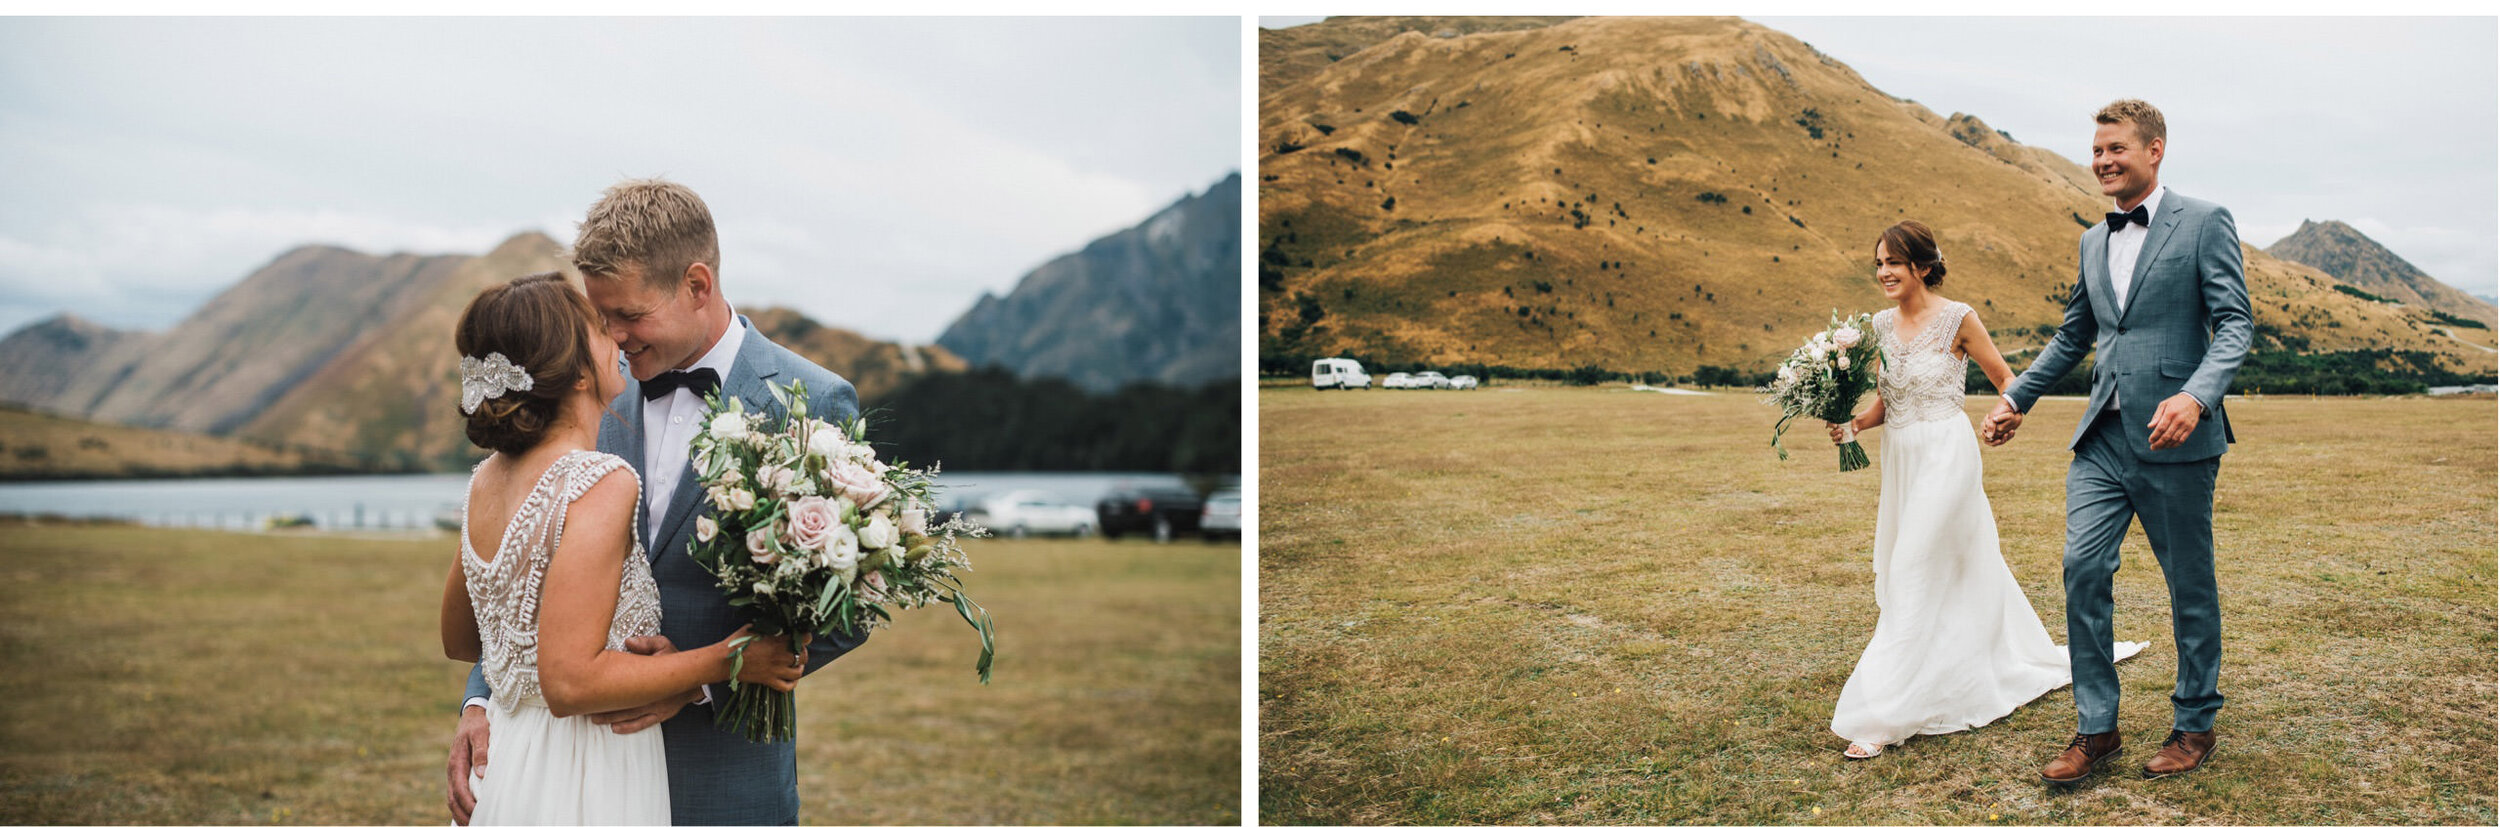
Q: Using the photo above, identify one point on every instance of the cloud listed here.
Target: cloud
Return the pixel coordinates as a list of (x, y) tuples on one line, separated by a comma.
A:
[(877, 173), (147, 265)]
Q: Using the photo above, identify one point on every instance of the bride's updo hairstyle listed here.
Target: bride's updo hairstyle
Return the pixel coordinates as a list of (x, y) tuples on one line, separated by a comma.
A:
[(541, 324), (1914, 243)]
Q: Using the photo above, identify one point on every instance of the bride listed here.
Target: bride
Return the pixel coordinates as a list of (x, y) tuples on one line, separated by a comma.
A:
[(1956, 645), (548, 610)]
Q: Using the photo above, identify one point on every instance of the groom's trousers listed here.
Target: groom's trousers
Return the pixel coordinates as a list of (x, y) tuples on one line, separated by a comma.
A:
[(2105, 488)]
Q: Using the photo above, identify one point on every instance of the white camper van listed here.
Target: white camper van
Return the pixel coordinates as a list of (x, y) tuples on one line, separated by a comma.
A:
[(1338, 373)]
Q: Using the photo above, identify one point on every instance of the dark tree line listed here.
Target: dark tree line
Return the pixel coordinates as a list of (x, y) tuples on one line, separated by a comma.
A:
[(989, 420)]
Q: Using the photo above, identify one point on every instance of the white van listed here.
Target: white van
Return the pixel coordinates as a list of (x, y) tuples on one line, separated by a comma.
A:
[(1338, 373)]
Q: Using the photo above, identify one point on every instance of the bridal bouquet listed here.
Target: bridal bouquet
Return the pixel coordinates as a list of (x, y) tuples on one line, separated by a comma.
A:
[(815, 535), (1823, 379)]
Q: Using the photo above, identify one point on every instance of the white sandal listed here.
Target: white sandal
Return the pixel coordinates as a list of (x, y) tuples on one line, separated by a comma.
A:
[(1860, 751)]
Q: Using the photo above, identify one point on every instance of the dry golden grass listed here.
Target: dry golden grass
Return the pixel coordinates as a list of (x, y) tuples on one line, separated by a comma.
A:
[(157, 676), (1603, 606)]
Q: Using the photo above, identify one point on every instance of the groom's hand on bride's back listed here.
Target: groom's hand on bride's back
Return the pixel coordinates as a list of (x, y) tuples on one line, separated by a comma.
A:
[(655, 713), (468, 760)]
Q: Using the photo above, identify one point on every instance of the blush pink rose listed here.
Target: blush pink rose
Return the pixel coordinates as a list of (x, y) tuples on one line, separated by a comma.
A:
[(760, 548), (872, 586), (862, 486), (812, 520)]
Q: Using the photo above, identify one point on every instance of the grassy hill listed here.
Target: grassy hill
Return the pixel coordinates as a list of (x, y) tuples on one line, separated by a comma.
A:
[(1659, 194)]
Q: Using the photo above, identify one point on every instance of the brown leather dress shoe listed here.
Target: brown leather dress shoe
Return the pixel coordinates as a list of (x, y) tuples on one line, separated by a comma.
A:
[(2181, 752), (2080, 757)]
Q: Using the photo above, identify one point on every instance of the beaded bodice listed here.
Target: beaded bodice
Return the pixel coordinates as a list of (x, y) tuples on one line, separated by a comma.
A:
[(1921, 380), (504, 592)]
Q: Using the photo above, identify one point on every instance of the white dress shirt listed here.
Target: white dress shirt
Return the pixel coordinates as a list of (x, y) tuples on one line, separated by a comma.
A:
[(2125, 246), (668, 426), (2128, 243)]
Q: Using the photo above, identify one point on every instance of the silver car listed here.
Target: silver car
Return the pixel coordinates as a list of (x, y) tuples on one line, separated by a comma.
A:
[(1220, 517)]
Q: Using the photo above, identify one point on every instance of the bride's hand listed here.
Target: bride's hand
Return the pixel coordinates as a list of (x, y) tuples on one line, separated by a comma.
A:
[(655, 713), (1837, 430), (769, 661)]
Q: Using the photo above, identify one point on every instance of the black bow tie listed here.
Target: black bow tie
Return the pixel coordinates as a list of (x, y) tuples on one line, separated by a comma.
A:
[(2119, 220), (700, 380)]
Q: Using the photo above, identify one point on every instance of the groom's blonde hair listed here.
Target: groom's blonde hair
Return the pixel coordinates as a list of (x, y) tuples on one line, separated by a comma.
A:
[(2147, 120), (660, 227)]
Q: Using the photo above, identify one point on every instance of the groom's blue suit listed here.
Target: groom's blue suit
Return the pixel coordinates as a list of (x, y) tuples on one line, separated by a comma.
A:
[(715, 776), (2183, 326)]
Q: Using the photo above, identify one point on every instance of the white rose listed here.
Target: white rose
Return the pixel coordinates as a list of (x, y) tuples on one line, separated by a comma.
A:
[(842, 555), (825, 441), (705, 529), (729, 426), (1844, 361), (878, 533), (1823, 337), (1846, 337), (915, 521), (741, 500)]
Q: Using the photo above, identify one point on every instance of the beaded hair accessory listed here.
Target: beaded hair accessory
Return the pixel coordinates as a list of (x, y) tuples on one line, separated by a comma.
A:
[(484, 379)]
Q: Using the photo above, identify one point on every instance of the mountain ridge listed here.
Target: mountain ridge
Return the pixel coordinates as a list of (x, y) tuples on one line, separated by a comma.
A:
[(1159, 301), (1663, 195), (2340, 250)]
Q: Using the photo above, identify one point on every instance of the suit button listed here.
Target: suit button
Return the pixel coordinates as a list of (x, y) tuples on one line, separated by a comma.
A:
[(2122, 331)]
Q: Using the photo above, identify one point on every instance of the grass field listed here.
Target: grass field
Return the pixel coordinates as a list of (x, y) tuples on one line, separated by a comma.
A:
[(157, 676), (1606, 606)]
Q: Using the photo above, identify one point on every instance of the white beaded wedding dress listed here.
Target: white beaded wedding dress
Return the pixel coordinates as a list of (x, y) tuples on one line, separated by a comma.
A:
[(541, 769), (1956, 645)]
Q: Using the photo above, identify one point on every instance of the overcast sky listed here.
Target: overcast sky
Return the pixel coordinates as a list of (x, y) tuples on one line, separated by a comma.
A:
[(2387, 124), (877, 174)]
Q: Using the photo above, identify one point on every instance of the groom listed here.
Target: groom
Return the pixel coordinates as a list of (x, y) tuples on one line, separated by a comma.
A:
[(650, 261), (2162, 298)]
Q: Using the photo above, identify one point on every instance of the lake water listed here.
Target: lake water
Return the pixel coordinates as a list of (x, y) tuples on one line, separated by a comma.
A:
[(409, 501)]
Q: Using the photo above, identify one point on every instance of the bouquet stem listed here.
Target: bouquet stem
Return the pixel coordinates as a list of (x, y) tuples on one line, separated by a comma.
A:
[(1852, 455), (761, 714)]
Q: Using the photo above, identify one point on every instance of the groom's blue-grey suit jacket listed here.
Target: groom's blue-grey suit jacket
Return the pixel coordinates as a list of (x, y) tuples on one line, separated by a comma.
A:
[(715, 776), (2185, 325)]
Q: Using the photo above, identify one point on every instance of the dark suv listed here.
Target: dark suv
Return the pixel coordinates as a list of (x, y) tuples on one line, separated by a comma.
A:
[(1160, 513)]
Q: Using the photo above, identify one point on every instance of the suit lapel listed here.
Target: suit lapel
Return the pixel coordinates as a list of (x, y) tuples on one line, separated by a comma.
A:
[(2096, 273), (2155, 237), (745, 381), (620, 433)]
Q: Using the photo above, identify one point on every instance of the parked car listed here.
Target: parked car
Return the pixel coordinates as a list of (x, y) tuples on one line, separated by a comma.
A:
[(1463, 382), (1431, 379), (1220, 518), (1338, 373), (1020, 513), (1398, 381), (1160, 513)]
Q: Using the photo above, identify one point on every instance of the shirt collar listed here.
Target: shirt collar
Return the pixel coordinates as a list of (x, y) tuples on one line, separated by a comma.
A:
[(724, 353), (2151, 205)]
